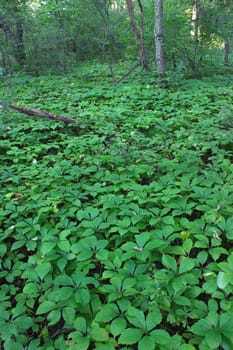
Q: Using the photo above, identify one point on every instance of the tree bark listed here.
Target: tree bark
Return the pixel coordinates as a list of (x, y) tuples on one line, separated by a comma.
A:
[(226, 37), (138, 32), (19, 46), (226, 51), (41, 114), (196, 20), (159, 39)]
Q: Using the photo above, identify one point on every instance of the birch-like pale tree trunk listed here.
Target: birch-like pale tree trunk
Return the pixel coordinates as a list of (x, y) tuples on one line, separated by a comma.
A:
[(138, 31), (196, 20), (159, 38)]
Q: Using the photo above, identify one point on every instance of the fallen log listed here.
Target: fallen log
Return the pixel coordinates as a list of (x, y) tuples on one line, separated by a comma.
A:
[(41, 114), (135, 65)]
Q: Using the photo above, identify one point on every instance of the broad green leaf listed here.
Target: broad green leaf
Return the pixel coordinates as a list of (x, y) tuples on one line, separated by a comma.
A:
[(213, 339), (222, 281), (79, 341), (64, 245), (54, 317), (11, 344), (201, 327), (130, 336), (187, 347), (136, 317), (169, 262), (186, 265), (80, 325), (226, 324), (142, 239), (146, 343), (98, 334), (160, 336), (118, 325), (107, 314), (64, 280), (128, 283), (23, 322), (187, 245), (45, 307), (68, 314), (181, 300), (43, 269), (153, 319), (3, 249), (82, 296), (47, 247)]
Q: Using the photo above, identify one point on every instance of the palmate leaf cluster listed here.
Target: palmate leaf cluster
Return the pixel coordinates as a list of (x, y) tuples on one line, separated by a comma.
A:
[(117, 233)]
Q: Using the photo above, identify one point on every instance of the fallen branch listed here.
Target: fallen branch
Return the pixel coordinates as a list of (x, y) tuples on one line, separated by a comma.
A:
[(42, 114), (136, 64)]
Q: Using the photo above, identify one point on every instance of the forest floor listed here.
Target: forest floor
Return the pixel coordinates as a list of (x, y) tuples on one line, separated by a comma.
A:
[(116, 232)]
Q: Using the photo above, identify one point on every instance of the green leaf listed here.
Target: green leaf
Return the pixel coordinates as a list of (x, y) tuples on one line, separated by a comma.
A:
[(43, 269), (187, 347), (82, 296), (98, 334), (146, 343), (12, 345), (186, 265), (169, 262), (107, 314), (130, 336), (23, 322), (187, 245), (54, 317), (80, 341), (226, 324), (3, 250), (213, 339), (160, 336), (118, 325), (68, 314), (64, 246), (153, 319), (80, 325), (45, 307), (136, 317), (47, 247), (222, 281), (181, 300), (201, 327)]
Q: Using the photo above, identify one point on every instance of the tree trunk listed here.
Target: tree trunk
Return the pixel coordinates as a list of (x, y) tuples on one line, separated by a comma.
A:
[(196, 20), (138, 32), (19, 46), (159, 39), (226, 37), (226, 51), (41, 114)]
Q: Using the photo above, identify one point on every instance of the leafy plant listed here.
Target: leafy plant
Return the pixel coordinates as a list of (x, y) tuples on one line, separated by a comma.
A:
[(117, 235)]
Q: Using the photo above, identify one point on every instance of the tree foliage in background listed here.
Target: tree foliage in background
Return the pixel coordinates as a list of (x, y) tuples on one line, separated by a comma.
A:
[(54, 35)]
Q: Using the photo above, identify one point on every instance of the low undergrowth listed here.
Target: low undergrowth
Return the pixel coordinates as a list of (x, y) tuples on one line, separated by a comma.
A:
[(116, 233)]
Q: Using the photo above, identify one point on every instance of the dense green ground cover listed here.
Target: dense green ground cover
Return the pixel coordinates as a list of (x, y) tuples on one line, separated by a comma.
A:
[(116, 233)]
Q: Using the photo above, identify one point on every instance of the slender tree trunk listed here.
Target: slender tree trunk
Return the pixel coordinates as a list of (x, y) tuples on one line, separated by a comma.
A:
[(19, 46), (226, 51), (226, 37), (138, 32), (159, 39), (196, 20)]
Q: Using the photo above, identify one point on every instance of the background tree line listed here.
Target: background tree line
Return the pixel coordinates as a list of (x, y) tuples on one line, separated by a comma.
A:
[(42, 35)]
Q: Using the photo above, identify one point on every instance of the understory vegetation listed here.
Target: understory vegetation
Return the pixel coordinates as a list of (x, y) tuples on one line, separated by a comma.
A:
[(116, 232)]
